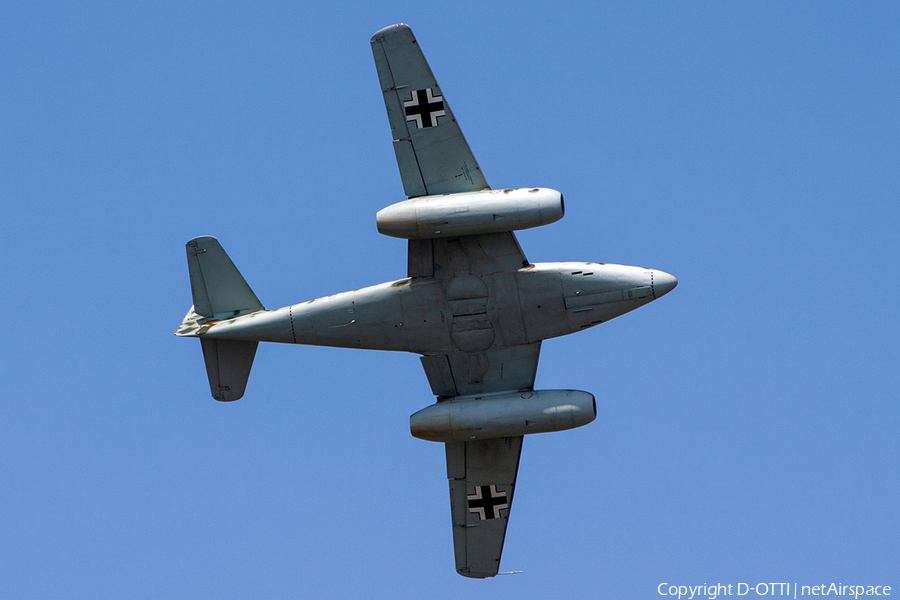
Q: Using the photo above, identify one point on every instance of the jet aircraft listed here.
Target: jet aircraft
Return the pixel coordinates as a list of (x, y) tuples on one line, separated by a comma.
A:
[(472, 305)]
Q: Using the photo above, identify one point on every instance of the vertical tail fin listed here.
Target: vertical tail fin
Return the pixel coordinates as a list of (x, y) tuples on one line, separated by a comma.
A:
[(219, 289), (220, 292), (228, 365)]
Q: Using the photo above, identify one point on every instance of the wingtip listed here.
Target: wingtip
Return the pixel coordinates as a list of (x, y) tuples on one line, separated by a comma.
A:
[(388, 30), (200, 238), (471, 575)]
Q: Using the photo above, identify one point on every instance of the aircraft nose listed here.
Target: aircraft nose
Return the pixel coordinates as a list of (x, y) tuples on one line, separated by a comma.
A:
[(663, 283)]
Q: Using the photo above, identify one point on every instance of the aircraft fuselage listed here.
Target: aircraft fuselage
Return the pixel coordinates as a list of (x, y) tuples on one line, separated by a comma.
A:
[(468, 313)]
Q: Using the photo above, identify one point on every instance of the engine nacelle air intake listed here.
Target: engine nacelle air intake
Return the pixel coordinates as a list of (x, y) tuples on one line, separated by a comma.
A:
[(469, 213), (466, 418)]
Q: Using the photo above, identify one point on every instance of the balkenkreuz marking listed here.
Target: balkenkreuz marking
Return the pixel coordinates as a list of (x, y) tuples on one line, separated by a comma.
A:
[(423, 108), (487, 502)]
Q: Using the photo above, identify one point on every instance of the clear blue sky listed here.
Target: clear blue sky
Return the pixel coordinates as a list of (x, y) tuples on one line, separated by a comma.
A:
[(748, 422)]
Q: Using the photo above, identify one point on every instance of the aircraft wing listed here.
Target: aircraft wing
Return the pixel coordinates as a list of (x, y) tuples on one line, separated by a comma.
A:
[(482, 473), (482, 478), (433, 156), (485, 358)]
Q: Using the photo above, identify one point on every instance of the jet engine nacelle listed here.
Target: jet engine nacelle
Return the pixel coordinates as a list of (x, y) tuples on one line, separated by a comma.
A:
[(466, 418), (469, 213)]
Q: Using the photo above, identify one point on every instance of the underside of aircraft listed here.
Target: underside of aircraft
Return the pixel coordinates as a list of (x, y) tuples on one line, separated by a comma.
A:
[(471, 305)]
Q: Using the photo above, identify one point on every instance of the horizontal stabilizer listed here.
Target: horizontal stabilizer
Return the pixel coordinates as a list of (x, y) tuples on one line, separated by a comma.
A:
[(218, 288), (228, 365)]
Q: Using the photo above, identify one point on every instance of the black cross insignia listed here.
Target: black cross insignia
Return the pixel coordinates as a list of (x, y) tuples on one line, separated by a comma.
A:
[(487, 502), (423, 108)]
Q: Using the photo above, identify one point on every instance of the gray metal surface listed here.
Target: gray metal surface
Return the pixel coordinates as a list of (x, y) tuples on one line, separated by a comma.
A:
[(487, 211), (432, 153), (228, 364), (472, 305), (218, 288), (487, 416), (482, 476)]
